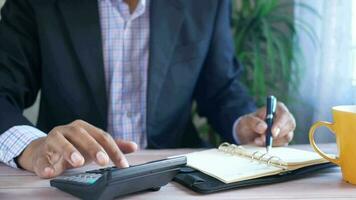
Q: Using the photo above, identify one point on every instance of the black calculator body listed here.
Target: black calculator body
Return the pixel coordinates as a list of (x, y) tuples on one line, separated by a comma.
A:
[(111, 182)]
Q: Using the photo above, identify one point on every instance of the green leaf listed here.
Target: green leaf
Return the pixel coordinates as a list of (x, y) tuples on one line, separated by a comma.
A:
[(265, 7), (309, 30), (302, 24), (270, 48), (304, 6), (282, 56), (259, 88)]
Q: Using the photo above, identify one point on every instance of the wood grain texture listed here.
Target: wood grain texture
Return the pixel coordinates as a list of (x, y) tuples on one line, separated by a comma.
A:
[(328, 184)]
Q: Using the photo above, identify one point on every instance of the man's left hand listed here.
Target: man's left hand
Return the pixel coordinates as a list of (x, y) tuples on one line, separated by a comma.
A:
[(251, 128)]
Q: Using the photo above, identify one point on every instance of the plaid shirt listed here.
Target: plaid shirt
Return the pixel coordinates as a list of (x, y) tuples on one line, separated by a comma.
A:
[(125, 45)]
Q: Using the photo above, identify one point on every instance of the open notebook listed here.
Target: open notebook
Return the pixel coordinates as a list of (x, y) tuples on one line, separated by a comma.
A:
[(232, 163)]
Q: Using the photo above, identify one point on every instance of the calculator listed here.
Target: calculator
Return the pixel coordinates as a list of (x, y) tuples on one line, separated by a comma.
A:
[(111, 182)]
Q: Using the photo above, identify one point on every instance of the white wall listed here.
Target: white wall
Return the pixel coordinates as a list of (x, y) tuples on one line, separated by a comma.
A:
[(1, 4), (32, 112)]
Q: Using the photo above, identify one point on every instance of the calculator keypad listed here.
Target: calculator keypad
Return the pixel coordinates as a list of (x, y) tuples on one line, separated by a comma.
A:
[(85, 178)]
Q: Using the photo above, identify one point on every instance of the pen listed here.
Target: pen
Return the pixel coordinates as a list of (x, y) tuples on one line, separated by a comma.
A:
[(270, 112)]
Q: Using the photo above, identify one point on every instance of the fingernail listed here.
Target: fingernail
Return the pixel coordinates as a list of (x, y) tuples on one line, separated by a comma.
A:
[(261, 127), (276, 131), (102, 157), (134, 146), (48, 171), (124, 163), (76, 158)]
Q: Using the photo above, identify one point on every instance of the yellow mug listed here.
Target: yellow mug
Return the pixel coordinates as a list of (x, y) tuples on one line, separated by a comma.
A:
[(344, 127)]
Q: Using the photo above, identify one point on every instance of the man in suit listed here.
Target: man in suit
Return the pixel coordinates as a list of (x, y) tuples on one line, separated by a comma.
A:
[(117, 74)]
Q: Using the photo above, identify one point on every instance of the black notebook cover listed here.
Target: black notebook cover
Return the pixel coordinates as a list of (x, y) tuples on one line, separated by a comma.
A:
[(202, 183)]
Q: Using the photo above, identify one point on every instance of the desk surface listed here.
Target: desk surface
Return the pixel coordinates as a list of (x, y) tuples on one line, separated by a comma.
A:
[(328, 184)]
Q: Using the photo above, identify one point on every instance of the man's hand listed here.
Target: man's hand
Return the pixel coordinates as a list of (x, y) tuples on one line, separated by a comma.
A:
[(71, 146), (251, 129)]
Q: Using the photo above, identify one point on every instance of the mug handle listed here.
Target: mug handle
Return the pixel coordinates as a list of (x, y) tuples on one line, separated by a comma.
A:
[(330, 126)]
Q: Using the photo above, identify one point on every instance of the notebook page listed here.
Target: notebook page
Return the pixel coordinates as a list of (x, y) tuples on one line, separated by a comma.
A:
[(290, 156), (228, 168)]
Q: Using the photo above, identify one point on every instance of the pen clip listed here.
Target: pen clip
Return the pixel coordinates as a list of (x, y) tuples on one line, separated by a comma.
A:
[(271, 106), (274, 105)]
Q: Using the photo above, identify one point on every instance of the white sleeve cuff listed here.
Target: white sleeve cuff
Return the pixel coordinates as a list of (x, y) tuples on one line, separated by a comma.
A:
[(15, 140), (234, 131)]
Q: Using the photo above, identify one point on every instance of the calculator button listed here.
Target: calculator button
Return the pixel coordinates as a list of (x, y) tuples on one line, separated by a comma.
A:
[(82, 178), (91, 181)]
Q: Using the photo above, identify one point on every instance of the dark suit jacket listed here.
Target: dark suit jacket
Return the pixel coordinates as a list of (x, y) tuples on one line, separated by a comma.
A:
[(55, 46)]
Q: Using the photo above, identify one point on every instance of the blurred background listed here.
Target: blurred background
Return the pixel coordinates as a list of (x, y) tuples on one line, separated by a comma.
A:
[(301, 51)]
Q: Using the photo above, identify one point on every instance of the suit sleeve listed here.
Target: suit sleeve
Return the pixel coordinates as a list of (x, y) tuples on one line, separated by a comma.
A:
[(19, 63), (220, 95)]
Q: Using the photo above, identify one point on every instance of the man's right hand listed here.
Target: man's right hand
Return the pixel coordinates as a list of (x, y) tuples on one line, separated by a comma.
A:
[(71, 146)]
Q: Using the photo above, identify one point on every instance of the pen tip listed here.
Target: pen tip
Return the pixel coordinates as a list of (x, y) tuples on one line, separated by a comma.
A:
[(268, 148)]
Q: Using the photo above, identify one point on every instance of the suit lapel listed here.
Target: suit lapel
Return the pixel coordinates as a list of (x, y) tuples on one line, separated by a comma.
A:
[(166, 18), (83, 25)]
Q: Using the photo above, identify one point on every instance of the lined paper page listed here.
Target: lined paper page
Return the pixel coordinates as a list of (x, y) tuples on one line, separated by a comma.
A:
[(228, 168)]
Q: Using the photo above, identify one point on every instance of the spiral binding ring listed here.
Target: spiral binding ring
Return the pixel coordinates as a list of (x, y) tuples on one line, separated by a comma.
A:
[(260, 158), (279, 161), (257, 155), (230, 148), (224, 146), (253, 155)]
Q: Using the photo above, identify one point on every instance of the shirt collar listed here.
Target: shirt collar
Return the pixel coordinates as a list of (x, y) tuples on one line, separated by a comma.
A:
[(140, 8), (140, 2)]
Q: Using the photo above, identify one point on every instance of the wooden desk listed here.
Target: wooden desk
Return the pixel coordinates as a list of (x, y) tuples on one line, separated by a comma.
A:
[(17, 184)]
